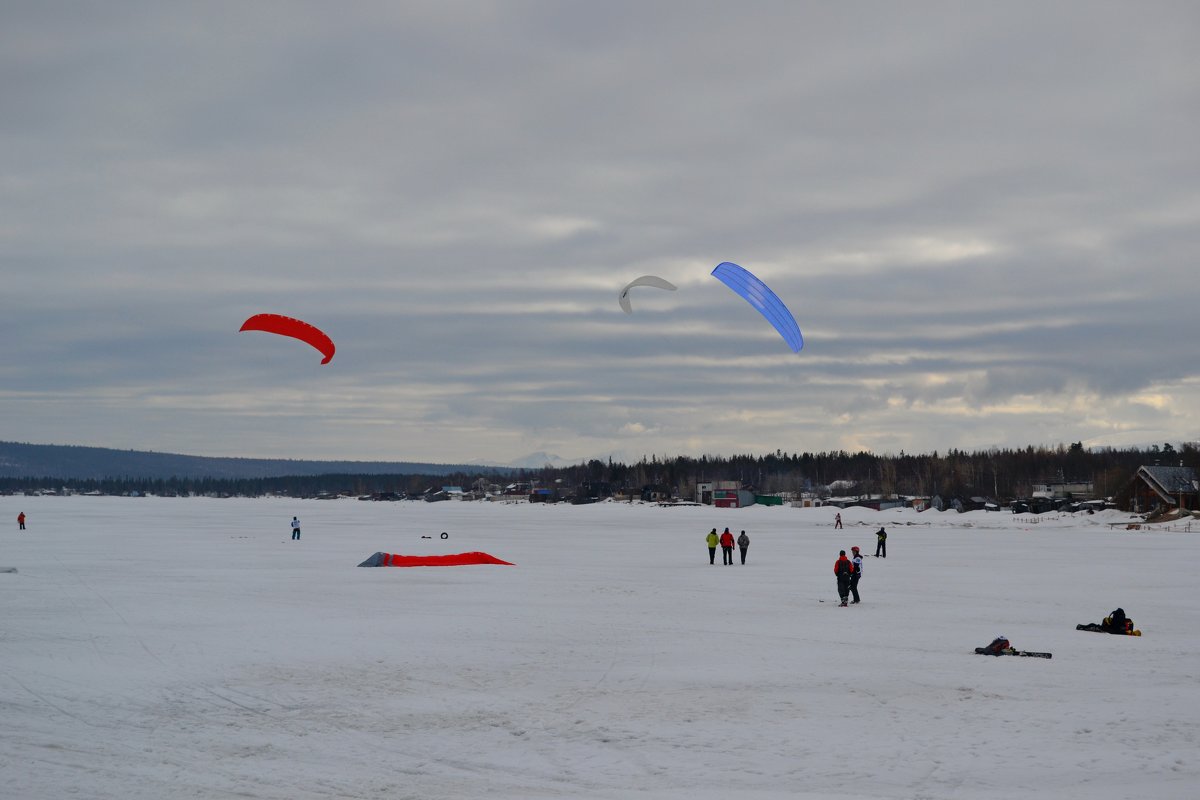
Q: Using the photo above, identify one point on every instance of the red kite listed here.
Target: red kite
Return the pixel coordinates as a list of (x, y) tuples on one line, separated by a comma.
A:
[(295, 328), (452, 560)]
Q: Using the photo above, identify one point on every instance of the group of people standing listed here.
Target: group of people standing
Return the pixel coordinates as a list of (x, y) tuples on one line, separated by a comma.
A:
[(847, 569), (848, 572), (726, 541)]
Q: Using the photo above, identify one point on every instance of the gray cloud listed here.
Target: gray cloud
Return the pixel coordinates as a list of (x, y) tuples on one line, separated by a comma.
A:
[(984, 219)]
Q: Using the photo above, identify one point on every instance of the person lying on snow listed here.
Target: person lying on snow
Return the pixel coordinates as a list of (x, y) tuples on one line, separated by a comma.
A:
[(1116, 622), (1000, 647)]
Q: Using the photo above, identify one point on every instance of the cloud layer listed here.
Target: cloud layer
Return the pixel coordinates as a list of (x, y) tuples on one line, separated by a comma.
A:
[(984, 219)]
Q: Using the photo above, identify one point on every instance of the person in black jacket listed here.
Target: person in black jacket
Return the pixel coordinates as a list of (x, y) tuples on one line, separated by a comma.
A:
[(743, 545), (881, 546), (1116, 622)]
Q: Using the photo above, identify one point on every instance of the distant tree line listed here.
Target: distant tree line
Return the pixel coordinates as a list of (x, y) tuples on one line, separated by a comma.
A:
[(994, 473)]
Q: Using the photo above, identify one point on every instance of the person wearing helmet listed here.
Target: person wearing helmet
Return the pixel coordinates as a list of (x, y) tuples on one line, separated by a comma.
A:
[(857, 560)]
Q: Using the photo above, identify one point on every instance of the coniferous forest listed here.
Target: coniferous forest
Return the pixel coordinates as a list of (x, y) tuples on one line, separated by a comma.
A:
[(997, 474)]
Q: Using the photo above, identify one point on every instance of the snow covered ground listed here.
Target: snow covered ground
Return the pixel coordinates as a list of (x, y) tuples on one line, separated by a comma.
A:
[(187, 648)]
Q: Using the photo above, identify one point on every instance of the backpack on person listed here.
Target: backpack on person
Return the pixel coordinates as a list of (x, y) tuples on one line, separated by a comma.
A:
[(1118, 623), (999, 647)]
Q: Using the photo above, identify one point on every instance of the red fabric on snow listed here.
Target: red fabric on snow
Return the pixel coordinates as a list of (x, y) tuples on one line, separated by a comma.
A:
[(451, 560)]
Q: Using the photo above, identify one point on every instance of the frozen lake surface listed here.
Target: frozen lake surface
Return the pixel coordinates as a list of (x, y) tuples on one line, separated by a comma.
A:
[(187, 648)]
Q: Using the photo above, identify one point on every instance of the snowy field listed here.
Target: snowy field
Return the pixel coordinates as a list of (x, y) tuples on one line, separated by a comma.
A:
[(187, 648)]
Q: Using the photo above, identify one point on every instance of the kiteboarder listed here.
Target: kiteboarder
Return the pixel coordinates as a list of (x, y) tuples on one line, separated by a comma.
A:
[(856, 559), (727, 547), (837, 521), (843, 569), (881, 546), (21, 521), (743, 545), (712, 546), (295, 528)]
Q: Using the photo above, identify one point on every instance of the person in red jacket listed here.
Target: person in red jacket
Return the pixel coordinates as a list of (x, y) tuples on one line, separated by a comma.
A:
[(843, 568), (727, 547), (21, 520)]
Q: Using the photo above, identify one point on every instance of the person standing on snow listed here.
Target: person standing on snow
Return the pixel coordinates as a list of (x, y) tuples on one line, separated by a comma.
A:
[(843, 568), (727, 547), (21, 521), (712, 546), (881, 547), (856, 560), (295, 528), (837, 521), (743, 545)]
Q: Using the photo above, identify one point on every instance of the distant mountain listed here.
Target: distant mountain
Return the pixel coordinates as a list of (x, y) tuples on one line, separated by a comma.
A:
[(18, 460), (539, 460)]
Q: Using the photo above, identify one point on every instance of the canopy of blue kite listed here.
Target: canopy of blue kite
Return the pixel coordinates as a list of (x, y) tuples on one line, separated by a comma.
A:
[(645, 280), (757, 294)]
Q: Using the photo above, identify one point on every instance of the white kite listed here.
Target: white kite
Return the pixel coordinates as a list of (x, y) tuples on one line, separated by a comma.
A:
[(645, 280)]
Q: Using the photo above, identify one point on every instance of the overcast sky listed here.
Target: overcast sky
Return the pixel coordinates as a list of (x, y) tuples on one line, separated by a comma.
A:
[(984, 216)]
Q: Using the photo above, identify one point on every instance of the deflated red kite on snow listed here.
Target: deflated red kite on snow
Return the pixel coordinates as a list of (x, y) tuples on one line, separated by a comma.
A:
[(451, 560)]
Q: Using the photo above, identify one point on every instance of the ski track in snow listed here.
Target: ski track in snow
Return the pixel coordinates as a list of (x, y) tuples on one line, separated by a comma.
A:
[(187, 648)]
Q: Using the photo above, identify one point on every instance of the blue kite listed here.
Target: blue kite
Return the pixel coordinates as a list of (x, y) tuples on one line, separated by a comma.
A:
[(757, 294)]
